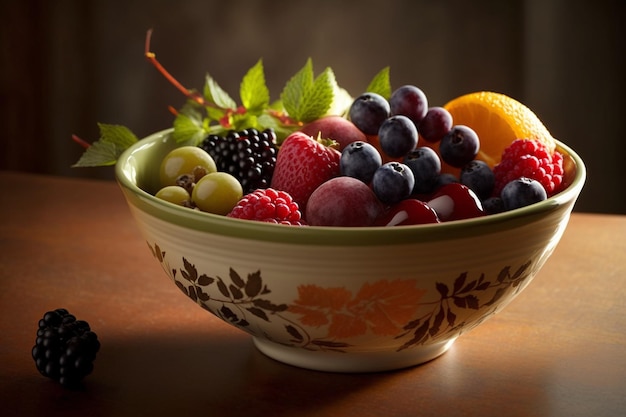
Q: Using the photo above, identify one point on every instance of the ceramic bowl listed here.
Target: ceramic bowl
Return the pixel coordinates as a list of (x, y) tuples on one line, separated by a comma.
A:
[(345, 299)]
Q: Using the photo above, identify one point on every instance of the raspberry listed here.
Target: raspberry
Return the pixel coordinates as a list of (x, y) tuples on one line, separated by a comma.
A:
[(268, 205), (65, 348), (248, 155), (531, 159)]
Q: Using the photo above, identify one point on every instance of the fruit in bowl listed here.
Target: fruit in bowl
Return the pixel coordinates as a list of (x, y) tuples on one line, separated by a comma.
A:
[(346, 299), (314, 287)]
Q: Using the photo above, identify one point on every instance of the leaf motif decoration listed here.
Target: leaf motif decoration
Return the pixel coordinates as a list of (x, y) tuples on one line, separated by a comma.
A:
[(389, 308)]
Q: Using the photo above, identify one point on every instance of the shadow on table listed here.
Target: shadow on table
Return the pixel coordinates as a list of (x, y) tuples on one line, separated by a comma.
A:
[(224, 375)]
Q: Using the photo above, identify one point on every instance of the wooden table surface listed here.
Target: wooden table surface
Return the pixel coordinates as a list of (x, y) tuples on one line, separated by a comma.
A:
[(559, 349)]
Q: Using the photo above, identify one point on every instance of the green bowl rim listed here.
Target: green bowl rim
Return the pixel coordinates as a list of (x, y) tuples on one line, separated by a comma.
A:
[(338, 236)]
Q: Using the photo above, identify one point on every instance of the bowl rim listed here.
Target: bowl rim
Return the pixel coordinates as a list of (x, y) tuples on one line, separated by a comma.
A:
[(334, 236)]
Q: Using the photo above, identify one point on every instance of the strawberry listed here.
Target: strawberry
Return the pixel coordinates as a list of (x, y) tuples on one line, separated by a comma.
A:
[(302, 165)]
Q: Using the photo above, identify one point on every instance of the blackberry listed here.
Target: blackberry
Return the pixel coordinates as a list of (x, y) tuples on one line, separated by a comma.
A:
[(248, 155), (65, 348)]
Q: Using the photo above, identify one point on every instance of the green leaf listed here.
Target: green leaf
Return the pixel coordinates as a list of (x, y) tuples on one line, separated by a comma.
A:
[(282, 131), (306, 98), (244, 121), (296, 87), (380, 84), (213, 93), (120, 136), (255, 96), (114, 139), (189, 125), (318, 98), (98, 154)]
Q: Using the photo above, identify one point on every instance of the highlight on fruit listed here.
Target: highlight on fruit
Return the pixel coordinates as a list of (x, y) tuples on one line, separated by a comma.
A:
[(317, 156)]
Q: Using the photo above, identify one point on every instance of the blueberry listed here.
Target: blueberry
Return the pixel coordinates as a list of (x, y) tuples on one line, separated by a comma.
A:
[(393, 182), (445, 178), (360, 160), (368, 112), (493, 205), (409, 101), (459, 146), (397, 136), (425, 165), (478, 176), (435, 125), (522, 192)]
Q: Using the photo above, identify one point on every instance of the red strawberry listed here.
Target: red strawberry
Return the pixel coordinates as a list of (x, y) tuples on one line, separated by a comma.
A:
[(302, 165)]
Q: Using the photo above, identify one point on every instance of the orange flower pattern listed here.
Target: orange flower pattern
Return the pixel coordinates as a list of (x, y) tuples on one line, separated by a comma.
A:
[(382, 307), (387, 308)]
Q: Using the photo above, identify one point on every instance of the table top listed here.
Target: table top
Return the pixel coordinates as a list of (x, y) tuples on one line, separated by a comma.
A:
[(559, 349)]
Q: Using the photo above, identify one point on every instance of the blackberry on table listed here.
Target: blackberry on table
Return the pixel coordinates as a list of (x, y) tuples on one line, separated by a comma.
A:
[(248, 155), (65, 347)]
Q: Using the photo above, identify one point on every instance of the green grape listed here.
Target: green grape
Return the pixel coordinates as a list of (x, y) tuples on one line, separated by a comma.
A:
[(174, 194), (217, 192), (184, 160)]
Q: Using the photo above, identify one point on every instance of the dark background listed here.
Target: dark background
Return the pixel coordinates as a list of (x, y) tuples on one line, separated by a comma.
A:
[(68, 64)]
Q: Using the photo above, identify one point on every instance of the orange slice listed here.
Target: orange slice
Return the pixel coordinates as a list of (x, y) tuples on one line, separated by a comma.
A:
[(498, 120)]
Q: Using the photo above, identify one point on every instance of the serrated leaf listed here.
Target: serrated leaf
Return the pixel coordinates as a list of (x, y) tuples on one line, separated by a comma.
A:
[(98, 154), (380, 84), (244, 121), (213, 93), (188, 126), (255, 96), (295, 88), (318, 98), (114, 140), (120, 136)]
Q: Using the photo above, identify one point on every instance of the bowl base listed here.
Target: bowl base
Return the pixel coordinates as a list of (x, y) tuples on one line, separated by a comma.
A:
[(353, 362)]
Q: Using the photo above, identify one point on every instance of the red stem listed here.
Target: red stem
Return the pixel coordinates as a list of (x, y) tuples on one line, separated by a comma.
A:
[(152, 59), (80, 141)]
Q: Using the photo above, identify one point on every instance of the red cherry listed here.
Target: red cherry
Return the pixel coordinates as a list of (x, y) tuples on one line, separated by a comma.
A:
[(406, 212), (455, 201)]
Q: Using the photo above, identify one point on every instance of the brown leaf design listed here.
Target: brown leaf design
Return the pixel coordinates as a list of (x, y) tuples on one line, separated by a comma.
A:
[(236, 278), (205, 280), (294, 333), (258, 312), (254, 284), (189, 273), (236, 292), (222, 287)]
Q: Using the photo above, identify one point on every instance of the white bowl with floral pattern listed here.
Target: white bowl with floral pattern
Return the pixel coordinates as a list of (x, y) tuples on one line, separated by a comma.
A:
[(345, 299)]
